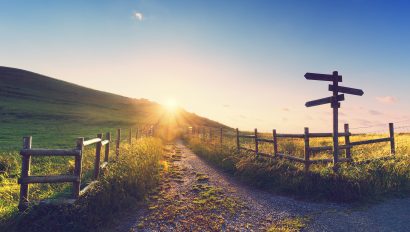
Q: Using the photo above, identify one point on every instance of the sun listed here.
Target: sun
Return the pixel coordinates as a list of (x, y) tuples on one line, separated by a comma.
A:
[(171, 104)]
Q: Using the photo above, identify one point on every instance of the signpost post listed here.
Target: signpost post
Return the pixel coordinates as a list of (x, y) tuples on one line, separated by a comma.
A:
[(335, 105), (334, 100)]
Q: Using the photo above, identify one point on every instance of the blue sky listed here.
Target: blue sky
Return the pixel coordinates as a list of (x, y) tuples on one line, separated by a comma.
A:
[(237, 62)]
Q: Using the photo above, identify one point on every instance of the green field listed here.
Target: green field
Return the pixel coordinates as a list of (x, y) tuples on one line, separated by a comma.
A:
[(55, 113)]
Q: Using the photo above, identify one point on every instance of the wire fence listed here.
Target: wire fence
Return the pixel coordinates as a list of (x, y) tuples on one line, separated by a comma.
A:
[(402, 127)]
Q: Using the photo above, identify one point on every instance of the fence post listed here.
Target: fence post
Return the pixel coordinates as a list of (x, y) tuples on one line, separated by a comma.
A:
[(136, 133), (392, 143), (275, 143), (130, 137), (97, 157), (78, 167), (117, 147), (203, 134), (347, 141), (107, 146), (256, 142), (221, 136), (210, 135), (25, 172), (237, 140), (307, 150)]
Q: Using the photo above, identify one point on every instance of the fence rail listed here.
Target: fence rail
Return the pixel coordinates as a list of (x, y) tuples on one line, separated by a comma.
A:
[(306, 136), (27, 152), (49, 152), (247, 136)]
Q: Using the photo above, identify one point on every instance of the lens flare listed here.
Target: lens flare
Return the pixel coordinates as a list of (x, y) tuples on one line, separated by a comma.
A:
[(171, 104)]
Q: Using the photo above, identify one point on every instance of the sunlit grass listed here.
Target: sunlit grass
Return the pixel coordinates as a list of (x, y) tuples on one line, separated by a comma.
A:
[(291, 224), (353, 182), (129, 177)]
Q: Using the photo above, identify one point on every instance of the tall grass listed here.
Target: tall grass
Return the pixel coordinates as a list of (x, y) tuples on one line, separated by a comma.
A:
[(126, 181), (353, 182)]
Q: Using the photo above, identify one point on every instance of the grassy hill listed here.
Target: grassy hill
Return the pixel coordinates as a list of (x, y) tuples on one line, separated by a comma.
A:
[(55, 112)]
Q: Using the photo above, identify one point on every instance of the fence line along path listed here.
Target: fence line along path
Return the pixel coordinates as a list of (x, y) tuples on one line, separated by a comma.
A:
[(27, 152), (306, 136)]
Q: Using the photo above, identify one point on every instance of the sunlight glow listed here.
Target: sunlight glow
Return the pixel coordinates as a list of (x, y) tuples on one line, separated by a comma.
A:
[(171, 104)]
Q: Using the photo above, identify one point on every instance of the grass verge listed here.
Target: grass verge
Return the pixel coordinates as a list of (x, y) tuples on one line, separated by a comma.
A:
[(352, 183), (125, 182)]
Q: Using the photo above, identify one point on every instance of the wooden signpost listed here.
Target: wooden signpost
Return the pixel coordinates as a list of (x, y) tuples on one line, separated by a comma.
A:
[(325, 100), (334, 100)]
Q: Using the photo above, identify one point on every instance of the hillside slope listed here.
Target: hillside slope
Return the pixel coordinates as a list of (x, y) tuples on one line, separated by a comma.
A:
[(54, 112)]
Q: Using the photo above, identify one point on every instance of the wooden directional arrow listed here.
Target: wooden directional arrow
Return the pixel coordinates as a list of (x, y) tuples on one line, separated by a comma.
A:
[(347, 90), (323, 77), (335, 103), (326, 100)]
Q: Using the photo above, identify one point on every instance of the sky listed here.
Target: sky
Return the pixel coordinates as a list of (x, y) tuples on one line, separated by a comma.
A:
[(241, 63)]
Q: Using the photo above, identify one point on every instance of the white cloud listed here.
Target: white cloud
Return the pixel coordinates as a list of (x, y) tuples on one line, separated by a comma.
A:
[(139, 16), (386, 99)]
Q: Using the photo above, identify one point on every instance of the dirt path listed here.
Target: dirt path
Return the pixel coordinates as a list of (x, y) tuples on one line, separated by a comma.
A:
[(195, 196)]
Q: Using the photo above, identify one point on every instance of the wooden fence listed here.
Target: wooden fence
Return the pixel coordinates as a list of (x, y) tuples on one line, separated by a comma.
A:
[(77, 152), (308, 150), (208, 135)]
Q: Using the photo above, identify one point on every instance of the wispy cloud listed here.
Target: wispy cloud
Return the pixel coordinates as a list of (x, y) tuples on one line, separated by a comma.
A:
[(386, 99), (363, 122), (139, 16), (226, 106), (375, 112)]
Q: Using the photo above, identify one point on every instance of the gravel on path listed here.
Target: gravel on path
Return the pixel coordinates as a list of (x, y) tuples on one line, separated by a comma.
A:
[(180, 205)]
